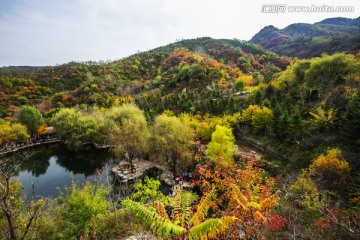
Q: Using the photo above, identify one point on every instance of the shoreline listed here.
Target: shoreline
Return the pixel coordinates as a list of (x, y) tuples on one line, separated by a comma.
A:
[(30, 145), (48, 141)]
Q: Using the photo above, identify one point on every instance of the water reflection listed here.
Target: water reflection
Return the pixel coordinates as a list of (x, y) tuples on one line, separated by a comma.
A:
[(38, 163), (87, 163), (54, 166)]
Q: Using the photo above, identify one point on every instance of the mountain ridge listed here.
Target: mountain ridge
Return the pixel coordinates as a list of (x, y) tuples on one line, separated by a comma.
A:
[(305, 40)]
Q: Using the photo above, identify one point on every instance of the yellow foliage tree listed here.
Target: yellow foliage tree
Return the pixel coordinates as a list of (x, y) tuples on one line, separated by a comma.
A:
[(221, 146), (323, 118), (259, 118), (330, 168), (249, 113)]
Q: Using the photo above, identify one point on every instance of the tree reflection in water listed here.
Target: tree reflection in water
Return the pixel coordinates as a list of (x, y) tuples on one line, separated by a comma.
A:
[(54, 166)]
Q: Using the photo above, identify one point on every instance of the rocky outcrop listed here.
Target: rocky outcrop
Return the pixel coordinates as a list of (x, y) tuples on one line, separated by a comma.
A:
[(141, 168)]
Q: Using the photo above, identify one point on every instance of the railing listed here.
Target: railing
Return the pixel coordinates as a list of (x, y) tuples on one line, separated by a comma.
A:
[(13, 147)]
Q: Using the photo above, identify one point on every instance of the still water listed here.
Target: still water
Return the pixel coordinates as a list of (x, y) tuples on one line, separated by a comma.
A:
[(54, 166)]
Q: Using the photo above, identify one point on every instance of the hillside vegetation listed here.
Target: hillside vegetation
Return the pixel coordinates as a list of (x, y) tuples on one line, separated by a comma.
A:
[(191, 75), (332, 35), (186, 106)]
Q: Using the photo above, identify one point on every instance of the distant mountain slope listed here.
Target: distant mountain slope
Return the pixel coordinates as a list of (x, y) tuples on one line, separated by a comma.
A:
[(186, 76), (308, 40)]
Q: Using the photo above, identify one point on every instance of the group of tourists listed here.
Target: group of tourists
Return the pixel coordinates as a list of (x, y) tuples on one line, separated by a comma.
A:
[(179, 182), (6, 147), (184, 177)]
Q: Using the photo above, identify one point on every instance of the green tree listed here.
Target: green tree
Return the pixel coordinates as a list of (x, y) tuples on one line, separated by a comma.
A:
[(239, 84), (147, 190), (221, 147), (171, 141), (351, 121), (76, 128), (30, 117), (128, 131), (82, 211)]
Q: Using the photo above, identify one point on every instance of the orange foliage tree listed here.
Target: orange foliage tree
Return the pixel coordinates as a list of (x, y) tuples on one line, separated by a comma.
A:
[(42, 130), (243, 191), (330, 169)]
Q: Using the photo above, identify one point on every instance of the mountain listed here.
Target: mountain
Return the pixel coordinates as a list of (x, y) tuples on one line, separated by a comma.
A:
[(189, 75), (309, 40), (211, 77)]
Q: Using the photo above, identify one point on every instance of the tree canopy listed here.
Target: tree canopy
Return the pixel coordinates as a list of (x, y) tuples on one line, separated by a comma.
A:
[(221, 148), (128, 131), (30, 117), (171, 142)]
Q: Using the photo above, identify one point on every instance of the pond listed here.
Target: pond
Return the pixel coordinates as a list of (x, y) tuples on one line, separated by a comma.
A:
[(54, 166)]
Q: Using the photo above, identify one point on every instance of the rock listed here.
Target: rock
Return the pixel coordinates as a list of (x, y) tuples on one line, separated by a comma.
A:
[(132, 238), (142, 167)]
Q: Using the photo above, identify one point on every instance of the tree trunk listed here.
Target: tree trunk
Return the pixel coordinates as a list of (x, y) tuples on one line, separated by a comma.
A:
[(7, 211), (172, 160)]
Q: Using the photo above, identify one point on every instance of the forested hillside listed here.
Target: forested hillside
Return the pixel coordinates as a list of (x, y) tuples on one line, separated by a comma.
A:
[(191, 75), (302, 40), (202, 76), (186, 106)]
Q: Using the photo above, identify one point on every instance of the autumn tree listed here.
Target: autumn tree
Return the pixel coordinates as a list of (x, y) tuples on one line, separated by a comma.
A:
[(248, 113), (312, 208), (30, 117), (300, 204), (171, 142), (5, 132), (19, 132), (204, 126), (324, 119), (186, 220), (15, 132), (42, 130), (243, 191), (76, 128), (221, 147), (331, 169), (261, 119), (127, 131)]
